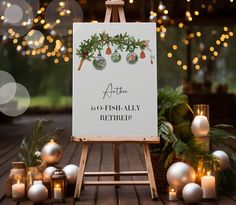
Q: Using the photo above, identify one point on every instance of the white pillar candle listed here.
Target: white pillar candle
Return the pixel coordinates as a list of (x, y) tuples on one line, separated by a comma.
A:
[(208, 184), (172, 195), (18, 190), (57, 193)]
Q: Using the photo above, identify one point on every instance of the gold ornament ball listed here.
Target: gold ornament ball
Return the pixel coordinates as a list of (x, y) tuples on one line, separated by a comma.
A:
[(179, 174), (200, 126), (223, 158), (51, 152), (192, 193), (37, 193)]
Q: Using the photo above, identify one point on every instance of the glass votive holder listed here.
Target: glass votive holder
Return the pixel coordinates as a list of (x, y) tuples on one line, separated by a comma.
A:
[(172, 193), (18, 188), (201, 109)]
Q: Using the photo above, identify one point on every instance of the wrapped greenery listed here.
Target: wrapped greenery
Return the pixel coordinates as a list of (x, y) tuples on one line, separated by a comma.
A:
[(29, 149)]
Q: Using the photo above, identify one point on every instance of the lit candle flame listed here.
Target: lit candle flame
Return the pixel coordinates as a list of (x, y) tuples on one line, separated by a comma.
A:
[(18, 181), (172, 190), (57, 185), (209, 173)]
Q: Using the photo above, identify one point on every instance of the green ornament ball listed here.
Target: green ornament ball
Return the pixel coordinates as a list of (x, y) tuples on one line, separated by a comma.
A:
[(99, 62), (115, 57), (132, 58)]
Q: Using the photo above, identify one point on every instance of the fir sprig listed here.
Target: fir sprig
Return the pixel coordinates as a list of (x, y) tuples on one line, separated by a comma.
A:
[(32, 144), (95, 44)]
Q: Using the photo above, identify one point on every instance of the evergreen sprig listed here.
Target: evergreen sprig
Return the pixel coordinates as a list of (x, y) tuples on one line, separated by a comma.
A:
[(32, 144), (122, 42)]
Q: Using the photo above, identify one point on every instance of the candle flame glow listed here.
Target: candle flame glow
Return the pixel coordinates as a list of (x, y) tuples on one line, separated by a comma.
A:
[(208, 173), (57, 185), (172, 190), (18, 181)]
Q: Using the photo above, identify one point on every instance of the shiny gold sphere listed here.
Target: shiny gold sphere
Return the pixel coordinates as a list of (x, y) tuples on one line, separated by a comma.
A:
[(51, 152)]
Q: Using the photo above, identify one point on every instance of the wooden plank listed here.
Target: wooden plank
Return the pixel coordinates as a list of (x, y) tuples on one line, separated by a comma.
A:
[(8, 201), (166, 200), (106, 192), (106, 183), (115, 3), (126, 194), (136, 162), (102, 139), (125, 173)]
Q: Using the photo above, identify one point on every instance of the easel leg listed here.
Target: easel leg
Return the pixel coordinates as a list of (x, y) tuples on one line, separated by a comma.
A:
[(83, 160), (151, 177), (116, 161)]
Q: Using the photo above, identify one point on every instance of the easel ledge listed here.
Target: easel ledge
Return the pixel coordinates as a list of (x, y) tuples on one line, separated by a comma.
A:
[(117, 140)]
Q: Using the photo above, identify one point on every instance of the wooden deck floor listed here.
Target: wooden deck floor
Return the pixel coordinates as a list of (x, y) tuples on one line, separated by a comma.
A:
[(100, 159)]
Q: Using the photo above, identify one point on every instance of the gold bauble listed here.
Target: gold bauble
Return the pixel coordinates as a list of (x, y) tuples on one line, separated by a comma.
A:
[(51, 152)]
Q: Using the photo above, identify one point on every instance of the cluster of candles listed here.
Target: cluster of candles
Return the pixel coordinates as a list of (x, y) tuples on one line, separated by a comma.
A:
[(20, 186), (200, 128), (208, 184)]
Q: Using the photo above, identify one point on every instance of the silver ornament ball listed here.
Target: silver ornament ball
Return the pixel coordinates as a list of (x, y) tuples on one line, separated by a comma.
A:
[(37, 193), (223, 158), (51, 152), (200, 126), (48, 172), (179, 174), (192, 193), (132, 58), (71, 172)]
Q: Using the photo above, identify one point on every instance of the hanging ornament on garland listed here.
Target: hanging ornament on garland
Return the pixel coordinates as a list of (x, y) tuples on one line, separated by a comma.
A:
[(132, 58), (115, 57), (142, 54), (99, 62), (108, 50)]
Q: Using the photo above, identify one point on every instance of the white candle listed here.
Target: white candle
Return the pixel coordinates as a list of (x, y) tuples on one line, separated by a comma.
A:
[(208, 186), (18, 190), (172, 195), (57, 193)]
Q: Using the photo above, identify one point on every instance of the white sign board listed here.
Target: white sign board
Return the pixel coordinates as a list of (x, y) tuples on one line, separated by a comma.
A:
[(114, 80)]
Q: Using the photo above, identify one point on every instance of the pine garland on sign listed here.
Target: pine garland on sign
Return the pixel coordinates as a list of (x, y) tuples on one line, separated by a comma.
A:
[(121, 42)]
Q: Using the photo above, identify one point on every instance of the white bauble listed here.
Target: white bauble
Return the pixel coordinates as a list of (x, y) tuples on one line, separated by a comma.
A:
[(51, 152), (192, 193), (179, 174), (48, 173), (37, 193), (223, 158), (71, 172), (170, 126), (200, 126)]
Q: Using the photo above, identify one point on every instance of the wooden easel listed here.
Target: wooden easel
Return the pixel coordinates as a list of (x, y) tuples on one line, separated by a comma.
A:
[(115, 10)]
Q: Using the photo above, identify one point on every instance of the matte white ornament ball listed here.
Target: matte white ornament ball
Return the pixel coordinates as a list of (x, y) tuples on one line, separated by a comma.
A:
[(71, 172), (200, 126), (192, 193), (48, 172), (223, 158), (37, 193), (179, 174), (51, 152)]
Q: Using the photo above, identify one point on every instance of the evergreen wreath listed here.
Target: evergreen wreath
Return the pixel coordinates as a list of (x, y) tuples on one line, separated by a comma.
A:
[(121, 42)]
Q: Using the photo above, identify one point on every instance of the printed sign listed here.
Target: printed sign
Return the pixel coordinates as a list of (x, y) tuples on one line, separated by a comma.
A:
[(114, 80)]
